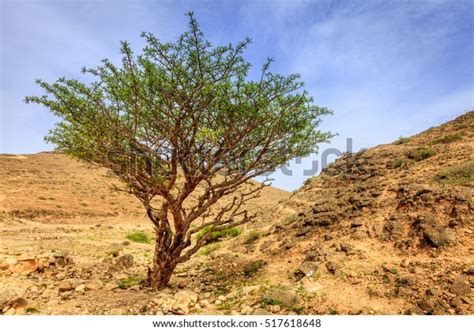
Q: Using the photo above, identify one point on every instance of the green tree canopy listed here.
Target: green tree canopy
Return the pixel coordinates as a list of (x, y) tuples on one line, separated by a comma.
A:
[(171, 118)]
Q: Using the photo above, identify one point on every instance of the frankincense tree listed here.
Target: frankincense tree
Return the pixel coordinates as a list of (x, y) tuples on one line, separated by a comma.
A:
[(184, 115)]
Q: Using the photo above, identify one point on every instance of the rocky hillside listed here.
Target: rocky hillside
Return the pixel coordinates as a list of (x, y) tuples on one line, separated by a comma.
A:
[(385, 231)]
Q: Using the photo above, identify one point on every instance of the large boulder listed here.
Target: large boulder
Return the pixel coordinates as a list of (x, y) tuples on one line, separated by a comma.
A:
[(308, 268), (25, 266), (438, 236)]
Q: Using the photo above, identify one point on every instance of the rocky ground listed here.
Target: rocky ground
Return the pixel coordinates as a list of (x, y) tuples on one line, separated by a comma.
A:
[(384, 231)]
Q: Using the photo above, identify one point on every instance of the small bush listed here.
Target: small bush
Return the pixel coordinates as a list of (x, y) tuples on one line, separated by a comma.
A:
[(289, 219), (398, 163), (421, 154), (216, 235), (31, 309), (457, 175), (296, 309), (232, 232), (139, 237), (252, 237), (447, 139), (208, 249), (401, 141)]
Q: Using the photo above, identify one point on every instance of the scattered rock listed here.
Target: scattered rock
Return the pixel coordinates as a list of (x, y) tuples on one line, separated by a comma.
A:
[(80, 288), (116, 311), (394, 227), (110, 286), (347, 248), (460, 286), (260, 311), (61, 259), (426, 305), (125, 261), (405, 263), (10, 295), (332, 267), (61, 276), (275, 309), (433, 292), (303, 231), (438, 236), (250, 289), (19, 303), (403, 292), (3, 265), (406, 281), (246, 310), (288, 298), (114, 249), (311, 286), (65, 286), (307, 268), (183, 300), (253, 267), (95, 284), (10, 311), (25, 266), (356, 224), (414, 311), (469, 271)]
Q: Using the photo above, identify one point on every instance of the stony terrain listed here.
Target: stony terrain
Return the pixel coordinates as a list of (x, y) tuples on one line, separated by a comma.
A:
[(385, 231)]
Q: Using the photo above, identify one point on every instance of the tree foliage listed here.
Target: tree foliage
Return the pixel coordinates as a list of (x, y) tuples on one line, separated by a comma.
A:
[(172, 118)]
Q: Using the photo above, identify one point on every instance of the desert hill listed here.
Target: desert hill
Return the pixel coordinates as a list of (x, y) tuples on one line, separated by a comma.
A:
[(385, 231)]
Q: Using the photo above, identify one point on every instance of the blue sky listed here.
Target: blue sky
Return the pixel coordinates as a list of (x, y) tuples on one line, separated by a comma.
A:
[(386, 68)]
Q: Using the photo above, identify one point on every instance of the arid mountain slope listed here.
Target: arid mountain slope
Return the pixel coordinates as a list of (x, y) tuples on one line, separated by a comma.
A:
[(51, 186), (385, 231)]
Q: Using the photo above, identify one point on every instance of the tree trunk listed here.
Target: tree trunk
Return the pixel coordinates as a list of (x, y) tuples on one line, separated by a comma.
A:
[(160, 275), (164, 262)]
